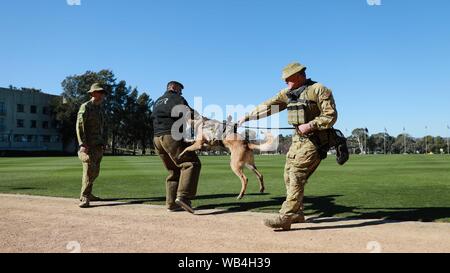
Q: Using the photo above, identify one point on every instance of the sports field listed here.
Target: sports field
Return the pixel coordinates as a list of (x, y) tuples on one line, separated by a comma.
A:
[(397, 187)]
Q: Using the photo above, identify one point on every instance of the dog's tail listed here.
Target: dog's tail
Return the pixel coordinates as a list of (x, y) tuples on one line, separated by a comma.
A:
[(267, 146)]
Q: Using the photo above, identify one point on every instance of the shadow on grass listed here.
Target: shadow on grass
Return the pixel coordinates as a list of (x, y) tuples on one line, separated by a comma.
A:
[(323, 209), (19, 188), (430, 214)]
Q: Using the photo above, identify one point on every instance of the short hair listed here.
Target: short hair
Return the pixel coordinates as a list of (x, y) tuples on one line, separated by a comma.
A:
[(172, 83)]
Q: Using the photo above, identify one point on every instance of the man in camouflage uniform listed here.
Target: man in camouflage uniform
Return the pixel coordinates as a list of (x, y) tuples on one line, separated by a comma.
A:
[(91, 141), (311, 110)]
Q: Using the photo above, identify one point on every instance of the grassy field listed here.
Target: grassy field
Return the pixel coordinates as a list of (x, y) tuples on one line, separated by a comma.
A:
[(398, 187)]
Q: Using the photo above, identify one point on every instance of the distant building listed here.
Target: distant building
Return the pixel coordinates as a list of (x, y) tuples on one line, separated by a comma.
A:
[(26, 122)]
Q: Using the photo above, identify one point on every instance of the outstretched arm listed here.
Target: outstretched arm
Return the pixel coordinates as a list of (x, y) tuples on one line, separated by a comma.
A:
[(271, 106)]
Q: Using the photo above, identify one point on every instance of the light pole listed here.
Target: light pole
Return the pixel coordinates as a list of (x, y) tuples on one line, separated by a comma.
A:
[(426, 139), (448, 138), (404, 140), (365, 139)]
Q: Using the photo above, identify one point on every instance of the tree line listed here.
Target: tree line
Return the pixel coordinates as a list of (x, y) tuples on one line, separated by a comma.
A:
[(361, 142)]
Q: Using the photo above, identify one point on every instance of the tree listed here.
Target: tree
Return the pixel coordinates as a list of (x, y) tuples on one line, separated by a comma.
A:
[(130, 121), (425, 145), (361, 136), (145, 125), (398, 147), (32, 90), (116, 110), (377, 142), (439, 145)]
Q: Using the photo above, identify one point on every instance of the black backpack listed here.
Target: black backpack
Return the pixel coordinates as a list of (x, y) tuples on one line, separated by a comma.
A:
[(342, 154), (331, 138)]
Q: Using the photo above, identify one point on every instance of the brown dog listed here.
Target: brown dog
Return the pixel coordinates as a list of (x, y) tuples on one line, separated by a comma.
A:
[(213, 132)]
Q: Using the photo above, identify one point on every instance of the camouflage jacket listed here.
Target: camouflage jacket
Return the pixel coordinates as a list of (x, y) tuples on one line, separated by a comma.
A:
[(322, 110), (90, 124)]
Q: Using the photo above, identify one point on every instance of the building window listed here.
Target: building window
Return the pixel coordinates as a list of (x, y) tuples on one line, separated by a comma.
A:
[(45, 111), (20, 108), (31, 138), (45, 139), (45, 124), (55, 139), (33, 109), (33, 124), (20, 138), (20, 123), (2, 108), (4, 138), (2, 124)]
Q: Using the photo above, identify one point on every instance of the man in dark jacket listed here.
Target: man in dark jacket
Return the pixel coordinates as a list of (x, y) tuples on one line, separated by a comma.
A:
[(184, 172)]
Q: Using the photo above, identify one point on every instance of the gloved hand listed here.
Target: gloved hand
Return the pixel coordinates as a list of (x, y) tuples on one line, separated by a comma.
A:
[(305, 129)]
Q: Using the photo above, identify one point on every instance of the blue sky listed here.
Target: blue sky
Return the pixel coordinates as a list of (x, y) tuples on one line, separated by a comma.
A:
[(388, 65)]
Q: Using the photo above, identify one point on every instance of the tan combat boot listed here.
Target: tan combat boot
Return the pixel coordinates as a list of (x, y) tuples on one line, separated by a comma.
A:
[(94, 198), (298, 219), (174, 208), (284, 222), (84, 202)]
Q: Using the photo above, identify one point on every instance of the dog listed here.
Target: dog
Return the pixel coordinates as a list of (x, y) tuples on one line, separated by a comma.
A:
[(213, 132)]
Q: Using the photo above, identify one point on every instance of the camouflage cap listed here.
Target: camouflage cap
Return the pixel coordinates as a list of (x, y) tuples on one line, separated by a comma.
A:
[(291, 69), (96, 87)]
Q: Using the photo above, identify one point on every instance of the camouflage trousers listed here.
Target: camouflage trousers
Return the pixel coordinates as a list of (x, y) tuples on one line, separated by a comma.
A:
[(184, 172), (301, 162), (91, 168)]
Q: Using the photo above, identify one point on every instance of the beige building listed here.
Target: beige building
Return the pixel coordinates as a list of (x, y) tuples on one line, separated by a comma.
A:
[(26, 122)]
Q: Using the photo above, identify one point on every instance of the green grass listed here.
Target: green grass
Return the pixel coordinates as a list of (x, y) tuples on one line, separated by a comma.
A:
[(415, 187)]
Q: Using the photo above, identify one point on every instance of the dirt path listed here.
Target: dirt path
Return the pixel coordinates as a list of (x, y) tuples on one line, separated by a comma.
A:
[(43, 224)]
